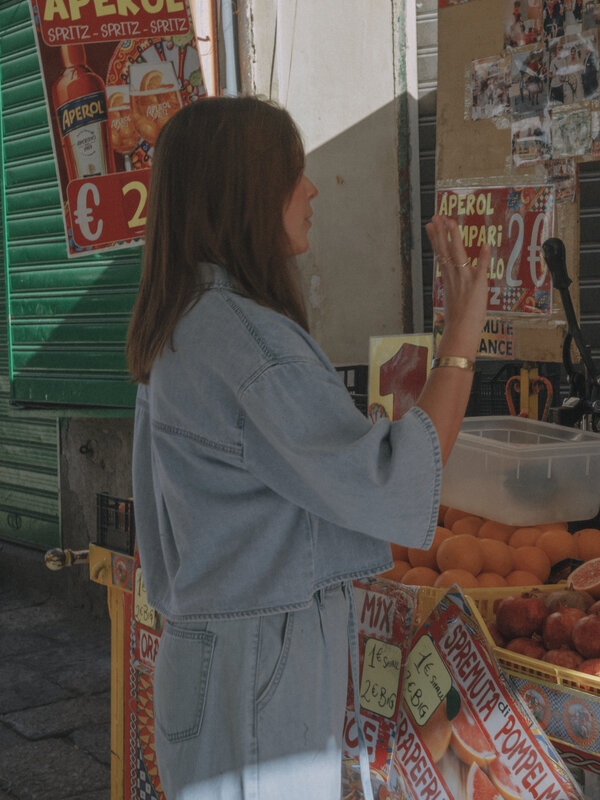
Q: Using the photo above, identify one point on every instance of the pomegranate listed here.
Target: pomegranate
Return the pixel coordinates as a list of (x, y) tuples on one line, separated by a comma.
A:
[(520, 615), (591, 666), (569, 598), (526, 646), (564, 657), (594, 608), (586, 636), (495, 634), (556, 631)]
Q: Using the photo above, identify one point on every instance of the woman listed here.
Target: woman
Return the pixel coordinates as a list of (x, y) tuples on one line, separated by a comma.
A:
[(260, 490)]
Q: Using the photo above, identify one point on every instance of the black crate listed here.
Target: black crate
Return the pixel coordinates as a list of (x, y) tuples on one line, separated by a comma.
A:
[(115, 523), (488, 393), (356, 380)]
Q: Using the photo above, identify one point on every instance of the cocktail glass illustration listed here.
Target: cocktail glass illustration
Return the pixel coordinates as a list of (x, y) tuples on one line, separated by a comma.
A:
[(155, 97)]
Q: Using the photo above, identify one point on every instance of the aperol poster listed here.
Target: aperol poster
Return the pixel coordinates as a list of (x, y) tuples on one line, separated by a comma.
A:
[(515, 222), (113, 74)]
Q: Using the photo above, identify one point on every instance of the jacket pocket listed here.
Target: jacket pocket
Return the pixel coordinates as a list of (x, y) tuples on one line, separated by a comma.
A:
[(181, 681)]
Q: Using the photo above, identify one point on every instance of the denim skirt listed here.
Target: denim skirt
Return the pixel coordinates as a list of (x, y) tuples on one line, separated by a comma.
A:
[(254, 708)]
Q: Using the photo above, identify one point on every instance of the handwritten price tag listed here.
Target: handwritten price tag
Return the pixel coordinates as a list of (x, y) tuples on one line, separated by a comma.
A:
[(380, 676), (427, 681), (142, 610), (108, 208)]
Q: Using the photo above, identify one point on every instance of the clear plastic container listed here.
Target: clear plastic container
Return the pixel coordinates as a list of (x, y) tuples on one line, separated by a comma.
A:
[(523, 472)]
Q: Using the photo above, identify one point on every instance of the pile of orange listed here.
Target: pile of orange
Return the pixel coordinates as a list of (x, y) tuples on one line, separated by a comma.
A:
[(476, 552)]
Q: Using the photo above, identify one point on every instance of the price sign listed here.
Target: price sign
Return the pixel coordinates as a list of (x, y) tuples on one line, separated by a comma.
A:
[(380, 676), (514, 221), (142, 610), (427, 681), (108, 208)]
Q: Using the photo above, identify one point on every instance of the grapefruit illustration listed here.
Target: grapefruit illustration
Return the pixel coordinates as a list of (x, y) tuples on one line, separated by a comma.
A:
[(436, 732), (586, 578), (479, 786), (502, 779), (469, 741)]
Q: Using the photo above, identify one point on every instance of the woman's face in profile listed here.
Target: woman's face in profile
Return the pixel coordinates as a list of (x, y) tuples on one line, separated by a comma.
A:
[(297, 213)]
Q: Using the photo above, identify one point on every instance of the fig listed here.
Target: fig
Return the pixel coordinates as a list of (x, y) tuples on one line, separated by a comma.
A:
[(568, 598), (557, 628), (594, 608), (586, 636), (526, 646), (520, 615), (564, 657), (591, 666)]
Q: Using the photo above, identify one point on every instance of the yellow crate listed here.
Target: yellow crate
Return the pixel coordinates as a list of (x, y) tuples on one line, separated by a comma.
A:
[(481, 602)]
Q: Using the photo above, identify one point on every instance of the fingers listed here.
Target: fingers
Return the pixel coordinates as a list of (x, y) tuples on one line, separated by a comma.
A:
[(446, 241)]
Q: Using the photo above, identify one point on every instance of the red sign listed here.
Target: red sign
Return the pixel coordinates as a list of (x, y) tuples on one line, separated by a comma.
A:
[(92, 21), (108, 208), (514, 222), (115, 71)]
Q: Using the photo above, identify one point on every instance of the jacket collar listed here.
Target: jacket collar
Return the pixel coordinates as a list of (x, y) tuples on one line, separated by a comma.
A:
[(214, 276)]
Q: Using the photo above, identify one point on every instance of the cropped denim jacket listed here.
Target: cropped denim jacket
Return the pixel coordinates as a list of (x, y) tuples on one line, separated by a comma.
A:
[(256, 480)]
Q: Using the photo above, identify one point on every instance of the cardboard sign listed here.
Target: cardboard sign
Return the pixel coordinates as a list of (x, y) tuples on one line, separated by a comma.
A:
[(384, 617), (113, 74), (462, 730), (398, 369), (515, 222)]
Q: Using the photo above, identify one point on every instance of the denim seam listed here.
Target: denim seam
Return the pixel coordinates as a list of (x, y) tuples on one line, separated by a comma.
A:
[(271, 688), (247, 324), (235, 450)]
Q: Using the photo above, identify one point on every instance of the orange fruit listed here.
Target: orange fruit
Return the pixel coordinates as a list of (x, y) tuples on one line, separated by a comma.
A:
[(490, 579), (557, 544), (502, 778), (460, 551), (465, 579), (497, 556), (452, 514), (495, 530), (469, 740), (587, 542), (586, 578), (479, 786), (420, 576), (397, 572), (427, 558), (436, 732), (531, 558), (521, 577), (562, 525), (523, 536), (399, 552), (468, 525)]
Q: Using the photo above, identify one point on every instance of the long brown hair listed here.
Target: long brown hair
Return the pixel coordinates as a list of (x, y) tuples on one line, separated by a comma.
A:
[(222, 171)]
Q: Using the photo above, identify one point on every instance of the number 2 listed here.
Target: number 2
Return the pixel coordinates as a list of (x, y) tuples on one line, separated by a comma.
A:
[(137, 221)]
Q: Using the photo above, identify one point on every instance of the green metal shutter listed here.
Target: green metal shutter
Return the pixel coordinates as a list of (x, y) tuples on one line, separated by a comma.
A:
[(29, 484), (67, 318)]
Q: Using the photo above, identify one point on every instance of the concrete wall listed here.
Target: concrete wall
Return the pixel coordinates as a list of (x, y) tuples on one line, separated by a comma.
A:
[(337, 66)]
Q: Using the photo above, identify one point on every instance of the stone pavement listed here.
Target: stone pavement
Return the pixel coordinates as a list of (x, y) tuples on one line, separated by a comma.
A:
[(54, 695)]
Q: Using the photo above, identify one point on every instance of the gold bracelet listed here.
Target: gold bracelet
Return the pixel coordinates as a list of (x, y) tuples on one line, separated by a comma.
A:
[(453, 361)]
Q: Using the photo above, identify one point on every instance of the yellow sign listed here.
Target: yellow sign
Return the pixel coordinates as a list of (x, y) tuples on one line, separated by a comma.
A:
[(380, 676), (398, 369), (143, 611), (427, 681)]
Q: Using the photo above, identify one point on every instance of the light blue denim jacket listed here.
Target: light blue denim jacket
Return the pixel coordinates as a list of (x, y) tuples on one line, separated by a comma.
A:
[(256, 480)]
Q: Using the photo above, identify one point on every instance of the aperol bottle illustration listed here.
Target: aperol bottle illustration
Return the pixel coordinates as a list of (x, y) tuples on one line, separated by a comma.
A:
[(79, 99)]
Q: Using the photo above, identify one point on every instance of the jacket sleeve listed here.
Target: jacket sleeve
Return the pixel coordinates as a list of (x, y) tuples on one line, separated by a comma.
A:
[(304, 438)]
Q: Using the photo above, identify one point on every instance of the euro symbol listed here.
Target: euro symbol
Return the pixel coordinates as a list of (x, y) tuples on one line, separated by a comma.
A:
[(83, 215)]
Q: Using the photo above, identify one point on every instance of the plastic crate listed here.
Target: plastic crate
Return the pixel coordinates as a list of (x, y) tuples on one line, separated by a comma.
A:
[(488, 393), (115, 523), (482, 604), (356, 380)]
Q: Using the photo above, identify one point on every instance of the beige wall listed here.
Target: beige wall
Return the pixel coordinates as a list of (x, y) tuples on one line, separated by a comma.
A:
[(332, 64)]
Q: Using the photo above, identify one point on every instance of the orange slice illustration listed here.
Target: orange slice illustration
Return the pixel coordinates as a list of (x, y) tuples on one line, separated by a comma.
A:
[(151, 80), (469, 741)]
